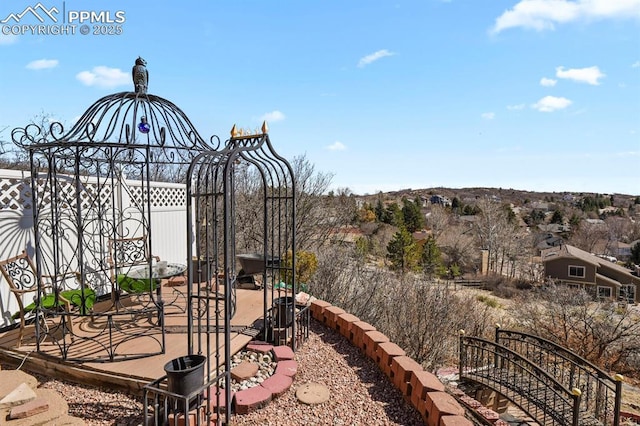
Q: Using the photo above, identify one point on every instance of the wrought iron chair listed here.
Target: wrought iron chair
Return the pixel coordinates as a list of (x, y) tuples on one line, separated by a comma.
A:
[(22, 278), (125, 254)]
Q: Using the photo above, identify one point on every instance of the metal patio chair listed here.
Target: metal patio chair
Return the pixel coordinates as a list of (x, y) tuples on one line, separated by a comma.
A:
[(21, 275)]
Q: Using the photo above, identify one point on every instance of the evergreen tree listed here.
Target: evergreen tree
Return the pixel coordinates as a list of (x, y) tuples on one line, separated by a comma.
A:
[(412, 216), (393, 215), (557, 217), (431, 257), (402, 251), (379, 210)]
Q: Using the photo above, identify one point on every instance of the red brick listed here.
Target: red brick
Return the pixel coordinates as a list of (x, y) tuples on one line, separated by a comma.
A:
[(488, 414), (277, 384), (176, 281), (287, 367), (180, 419), (401, 369), (317, 309), (283, 353), (260, 347), (331, 315), (442, 404), (214, 402), (422, 409), (252, 399), (470, 402), (28, 409), (370, 342), (422, 382), (344, 322), (500, 422), (385, 353), (357, 332), (455, 421)]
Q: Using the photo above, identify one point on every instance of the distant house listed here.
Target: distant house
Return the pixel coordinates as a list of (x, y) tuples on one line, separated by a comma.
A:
[(549, 240), (554, 228), (604, 279), (439, 199)]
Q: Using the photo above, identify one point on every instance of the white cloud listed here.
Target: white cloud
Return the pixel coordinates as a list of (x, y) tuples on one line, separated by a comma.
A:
[(551, 103), (589, 75), (488, 115), (636, 64), (42, 64), (545, 14), (516, 107), (337, 146), (8, 39), (104, 77), (547, 82), (366, 60), (272, 116)]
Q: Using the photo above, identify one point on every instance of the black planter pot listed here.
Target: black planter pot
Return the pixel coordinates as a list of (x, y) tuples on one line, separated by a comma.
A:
[(185, 374)]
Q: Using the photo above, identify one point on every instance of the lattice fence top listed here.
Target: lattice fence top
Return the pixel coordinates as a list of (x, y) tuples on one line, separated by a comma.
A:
[(161, 196), (15, 194)]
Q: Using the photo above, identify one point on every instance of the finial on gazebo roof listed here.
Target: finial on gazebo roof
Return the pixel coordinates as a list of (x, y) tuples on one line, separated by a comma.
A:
[(140, 76)]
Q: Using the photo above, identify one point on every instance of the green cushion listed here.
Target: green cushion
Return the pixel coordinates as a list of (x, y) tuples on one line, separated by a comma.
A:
[(73, 296), (136, 286)]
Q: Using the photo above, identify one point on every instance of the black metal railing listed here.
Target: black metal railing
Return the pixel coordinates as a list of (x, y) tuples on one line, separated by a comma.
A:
[(601, 393), (520, 380)]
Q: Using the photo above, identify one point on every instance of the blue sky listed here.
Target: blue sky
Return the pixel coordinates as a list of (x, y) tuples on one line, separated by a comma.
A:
[(539, 95)]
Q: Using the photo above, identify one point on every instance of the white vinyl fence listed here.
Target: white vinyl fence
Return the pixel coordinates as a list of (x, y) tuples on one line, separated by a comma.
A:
[(168, 223)]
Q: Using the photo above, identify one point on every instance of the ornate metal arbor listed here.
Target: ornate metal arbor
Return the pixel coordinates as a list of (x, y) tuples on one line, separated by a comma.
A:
[(242, 199), (90, 229)]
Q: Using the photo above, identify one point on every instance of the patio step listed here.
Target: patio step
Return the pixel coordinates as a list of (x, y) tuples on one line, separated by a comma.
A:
[(35, 407)]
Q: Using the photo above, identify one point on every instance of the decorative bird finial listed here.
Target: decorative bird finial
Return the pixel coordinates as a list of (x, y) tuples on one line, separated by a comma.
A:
[(265, 128), (140, 76)]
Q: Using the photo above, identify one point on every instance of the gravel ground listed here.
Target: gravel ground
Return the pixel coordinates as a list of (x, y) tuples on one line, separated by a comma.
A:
[(360, 394)]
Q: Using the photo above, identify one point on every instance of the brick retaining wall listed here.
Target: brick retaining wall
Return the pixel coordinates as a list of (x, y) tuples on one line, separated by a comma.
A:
[(421, 388)]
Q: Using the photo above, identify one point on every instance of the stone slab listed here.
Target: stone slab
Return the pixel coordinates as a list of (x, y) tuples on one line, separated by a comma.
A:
[(57, 414), (243, 371), (312, 393), (20, 395), (36, 406), (282, 352), (10, 379), (259, 347)]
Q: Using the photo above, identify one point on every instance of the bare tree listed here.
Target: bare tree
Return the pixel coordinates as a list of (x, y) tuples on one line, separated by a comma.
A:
[(588, 235), (603, 333), (438, 220)]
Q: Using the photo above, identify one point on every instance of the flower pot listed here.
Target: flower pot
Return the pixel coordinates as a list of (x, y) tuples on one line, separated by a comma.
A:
[(185, 374)]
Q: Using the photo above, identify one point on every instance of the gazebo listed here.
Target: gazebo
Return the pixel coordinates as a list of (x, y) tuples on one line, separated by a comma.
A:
[(95, 232), (94, 196)]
